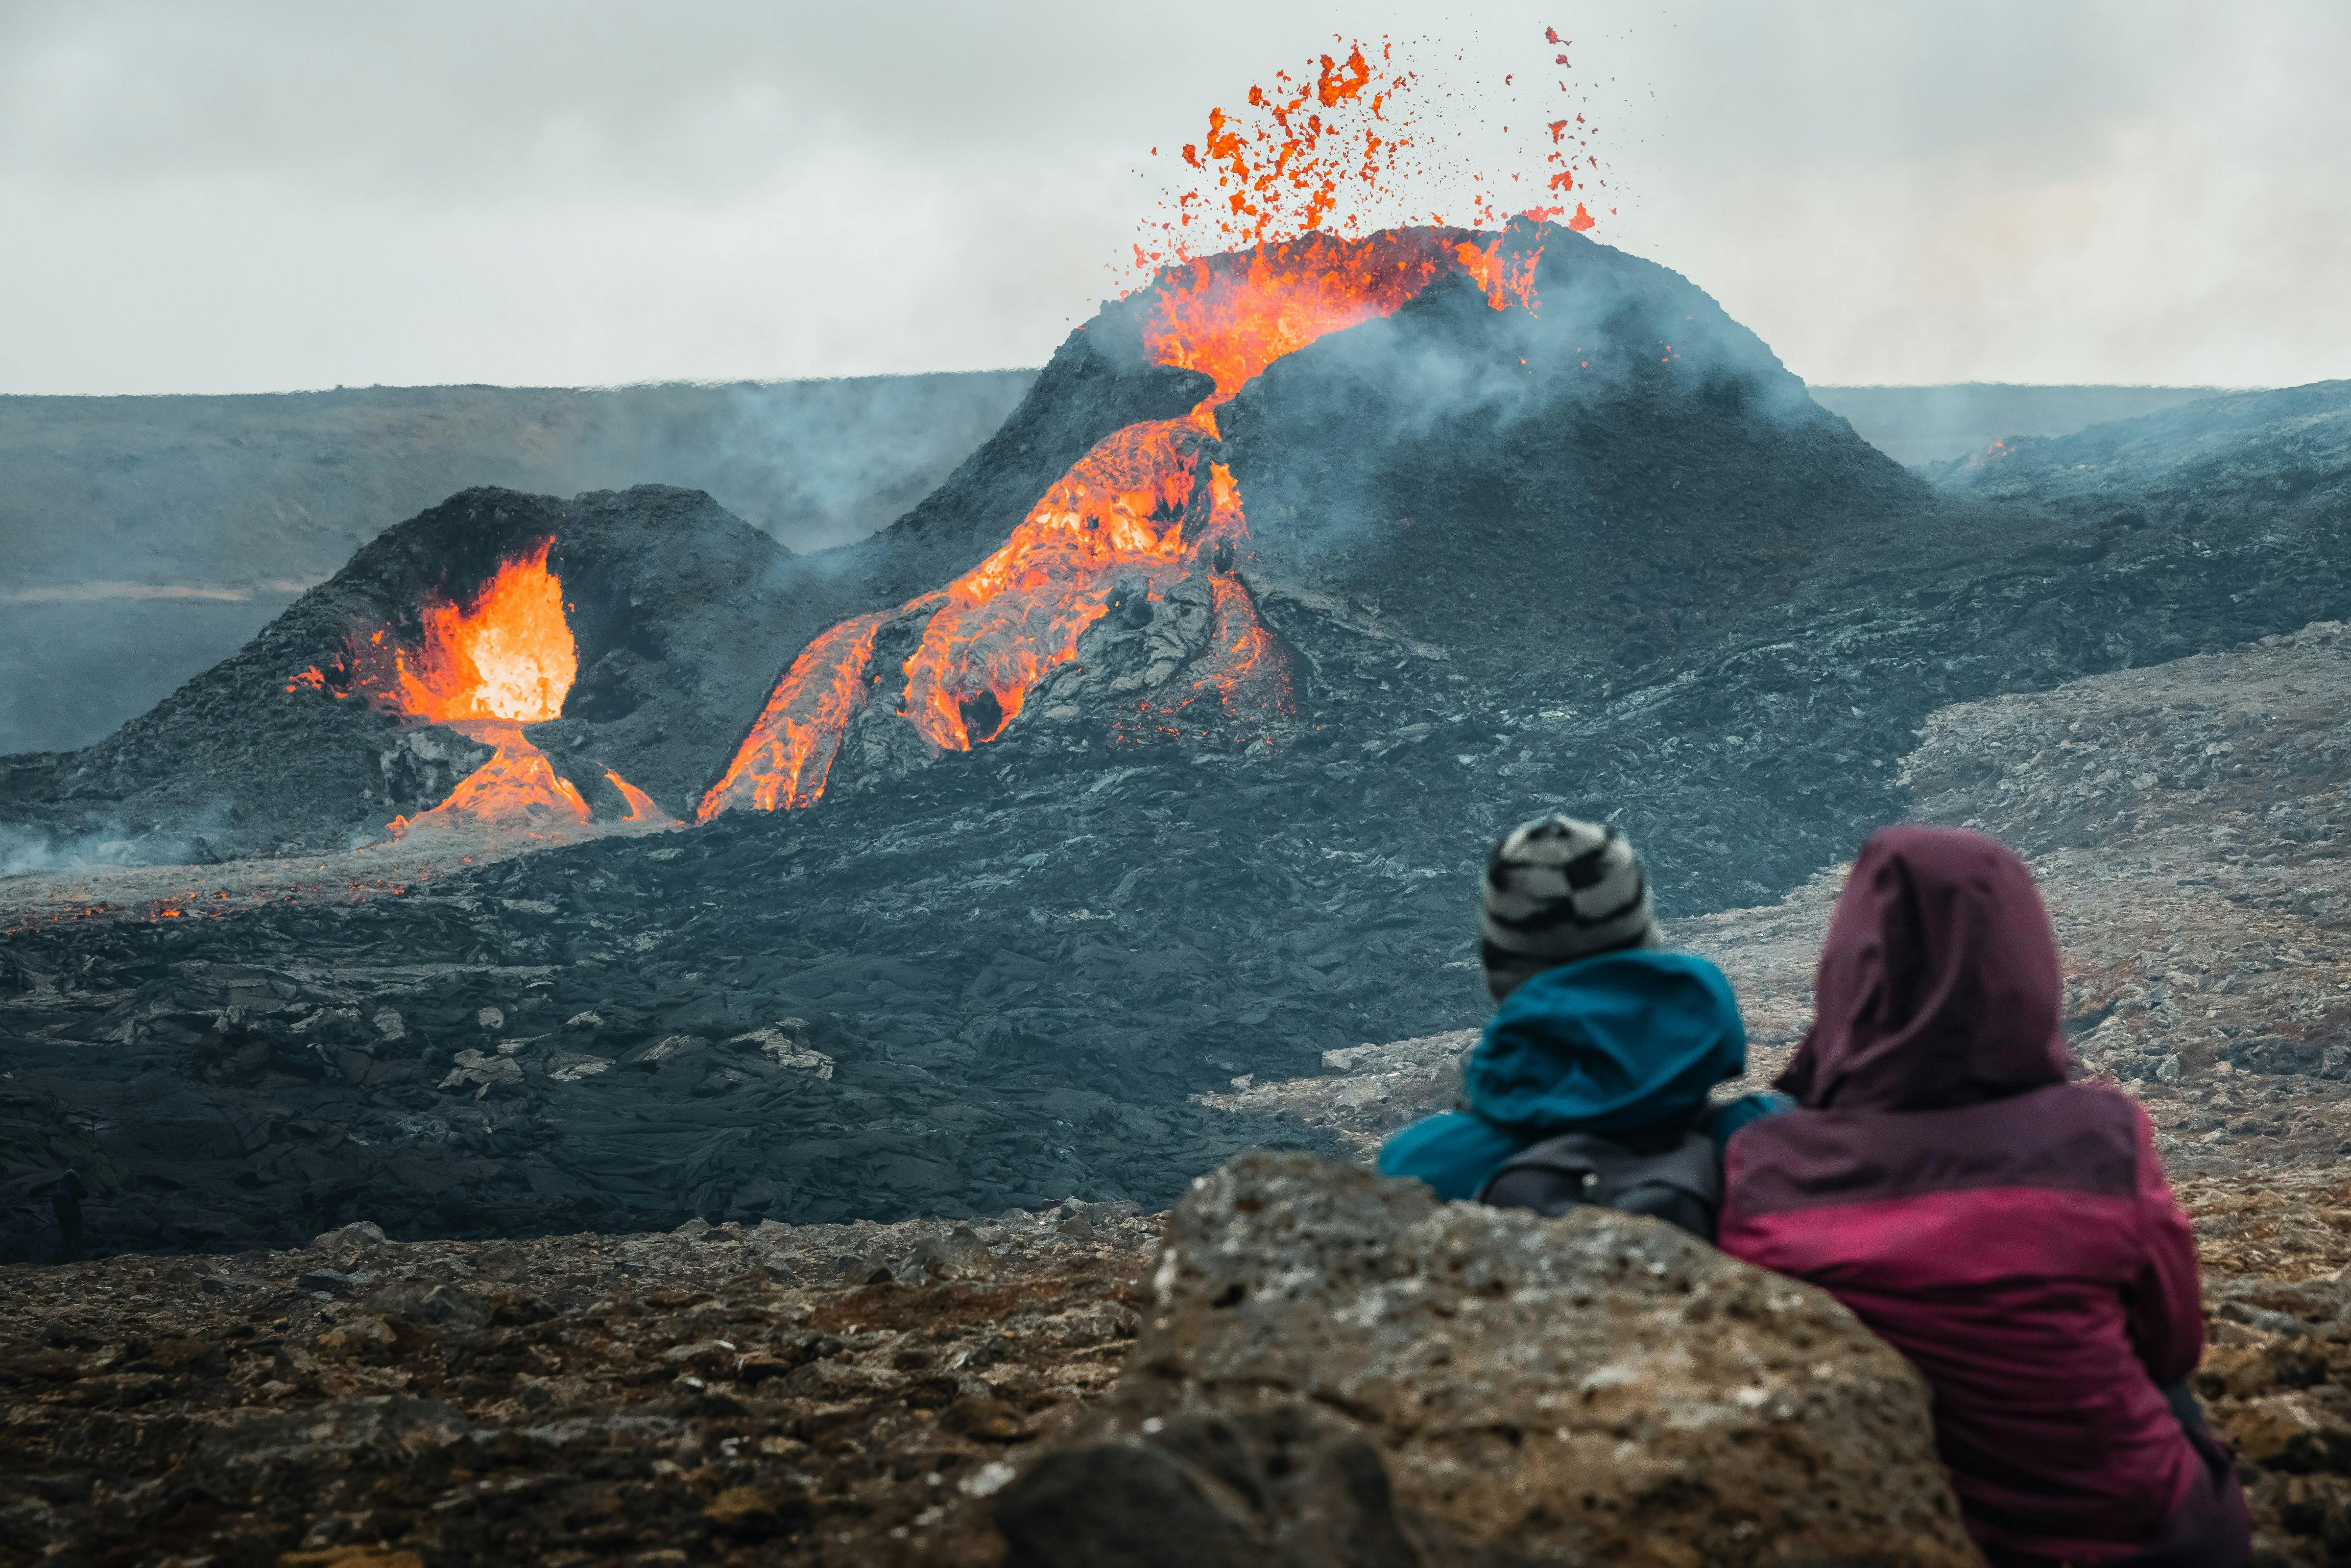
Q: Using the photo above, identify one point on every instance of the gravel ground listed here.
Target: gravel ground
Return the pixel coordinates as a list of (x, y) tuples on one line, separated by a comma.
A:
[(820, 1393)]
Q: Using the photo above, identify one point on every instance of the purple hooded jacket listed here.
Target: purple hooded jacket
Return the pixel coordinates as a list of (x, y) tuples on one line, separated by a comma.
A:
[(2009, 1232)]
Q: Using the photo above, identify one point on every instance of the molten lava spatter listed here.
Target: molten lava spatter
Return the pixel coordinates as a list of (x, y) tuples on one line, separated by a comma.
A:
[(1354, 141), (486, 668), (1147, 506), (1283, 169), (507, 655)]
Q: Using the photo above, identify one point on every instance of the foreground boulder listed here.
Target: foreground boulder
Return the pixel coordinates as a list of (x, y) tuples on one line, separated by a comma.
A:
[(1340, 1370)]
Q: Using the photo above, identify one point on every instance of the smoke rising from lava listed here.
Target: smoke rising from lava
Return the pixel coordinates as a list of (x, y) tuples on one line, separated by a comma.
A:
[(25, 851)]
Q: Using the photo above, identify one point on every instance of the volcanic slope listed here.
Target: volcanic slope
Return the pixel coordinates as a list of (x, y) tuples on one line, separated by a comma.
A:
[(2235, 454), (977, 978), (1448, 429), (1503, 386), (676, 615)]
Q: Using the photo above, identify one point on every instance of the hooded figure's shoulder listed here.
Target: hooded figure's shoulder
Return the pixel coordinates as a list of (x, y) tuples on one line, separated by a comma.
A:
[(1664, 978), (1625, 1039), (1454, 1153)]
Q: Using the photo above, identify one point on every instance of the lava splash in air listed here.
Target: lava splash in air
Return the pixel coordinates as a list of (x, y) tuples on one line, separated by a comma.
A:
[(1149, 506), (508, 656)]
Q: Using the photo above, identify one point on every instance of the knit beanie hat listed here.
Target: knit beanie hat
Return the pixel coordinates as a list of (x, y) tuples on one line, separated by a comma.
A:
[(1556, 890)]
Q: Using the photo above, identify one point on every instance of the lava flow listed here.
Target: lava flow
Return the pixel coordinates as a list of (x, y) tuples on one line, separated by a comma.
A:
[(485, 669), (1149, 506), (784, 760), (516, 789), (1139, 511)]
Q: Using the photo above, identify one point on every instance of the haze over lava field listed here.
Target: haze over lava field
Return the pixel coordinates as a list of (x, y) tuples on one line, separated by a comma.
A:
[(153, 535)]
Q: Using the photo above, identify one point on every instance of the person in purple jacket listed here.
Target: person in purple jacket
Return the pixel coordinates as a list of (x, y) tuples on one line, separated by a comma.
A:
[(2007, 1229)]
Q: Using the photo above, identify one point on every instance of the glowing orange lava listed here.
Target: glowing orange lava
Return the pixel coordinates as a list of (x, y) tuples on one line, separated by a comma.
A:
[(1354, 141), (783, 761), (508, 655), (1508, 277), (1141, 511), (643, 811), (1274, 172), (486, 668), (517, 789), (1136, 514), (1233, 314), (1018, 614)]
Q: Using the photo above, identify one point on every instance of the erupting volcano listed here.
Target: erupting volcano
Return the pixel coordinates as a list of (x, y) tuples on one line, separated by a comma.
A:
[(1087, 577), (1148, 507), (1153, 505)]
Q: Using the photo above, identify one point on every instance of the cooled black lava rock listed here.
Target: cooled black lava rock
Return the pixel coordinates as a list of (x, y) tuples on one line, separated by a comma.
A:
[(1602, 478), (2219, 457)]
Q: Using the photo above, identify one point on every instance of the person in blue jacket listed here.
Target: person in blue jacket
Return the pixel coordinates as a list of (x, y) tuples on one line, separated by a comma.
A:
[(1601, 1027)]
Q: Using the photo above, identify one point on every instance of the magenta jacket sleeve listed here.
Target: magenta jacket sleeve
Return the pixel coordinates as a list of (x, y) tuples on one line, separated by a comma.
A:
[(2167, 1304)]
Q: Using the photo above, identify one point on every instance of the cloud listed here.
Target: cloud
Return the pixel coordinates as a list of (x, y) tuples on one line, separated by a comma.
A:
[(257, 196)]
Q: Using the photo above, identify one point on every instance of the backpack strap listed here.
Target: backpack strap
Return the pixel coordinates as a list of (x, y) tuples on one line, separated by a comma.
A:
[(1681, 1185)]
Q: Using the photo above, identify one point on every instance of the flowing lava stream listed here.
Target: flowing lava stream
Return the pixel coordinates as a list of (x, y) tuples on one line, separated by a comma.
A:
[(487, 670), (1138, 507)]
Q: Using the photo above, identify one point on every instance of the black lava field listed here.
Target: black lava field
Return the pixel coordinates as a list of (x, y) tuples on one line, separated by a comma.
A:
[(1510, 562)]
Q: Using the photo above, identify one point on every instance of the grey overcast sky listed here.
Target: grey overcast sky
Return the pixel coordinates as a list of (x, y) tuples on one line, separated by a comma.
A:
[(217, 195)]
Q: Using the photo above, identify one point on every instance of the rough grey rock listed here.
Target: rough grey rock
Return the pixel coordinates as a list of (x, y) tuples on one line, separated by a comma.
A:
[(2185, 826), (1288, 1486), (1600, 1388), (349, 1238), (609, 1399)]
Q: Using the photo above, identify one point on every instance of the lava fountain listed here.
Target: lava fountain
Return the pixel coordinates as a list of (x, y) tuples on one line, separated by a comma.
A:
[(508, 656), (487, 668), (1283, 186)]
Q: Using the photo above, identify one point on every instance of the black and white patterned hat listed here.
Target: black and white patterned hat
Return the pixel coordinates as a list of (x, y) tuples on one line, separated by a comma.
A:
[(1556, 890)]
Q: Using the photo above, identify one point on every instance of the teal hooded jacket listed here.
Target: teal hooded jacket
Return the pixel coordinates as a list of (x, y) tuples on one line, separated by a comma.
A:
[(1628, 1041)]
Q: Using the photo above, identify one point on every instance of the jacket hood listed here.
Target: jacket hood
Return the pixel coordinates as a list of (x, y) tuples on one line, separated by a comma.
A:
[(1937, 984), (1626, 1040)]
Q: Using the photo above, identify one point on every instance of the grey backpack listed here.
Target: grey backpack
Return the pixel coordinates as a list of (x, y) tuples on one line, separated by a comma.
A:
[(1680, 1184)]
